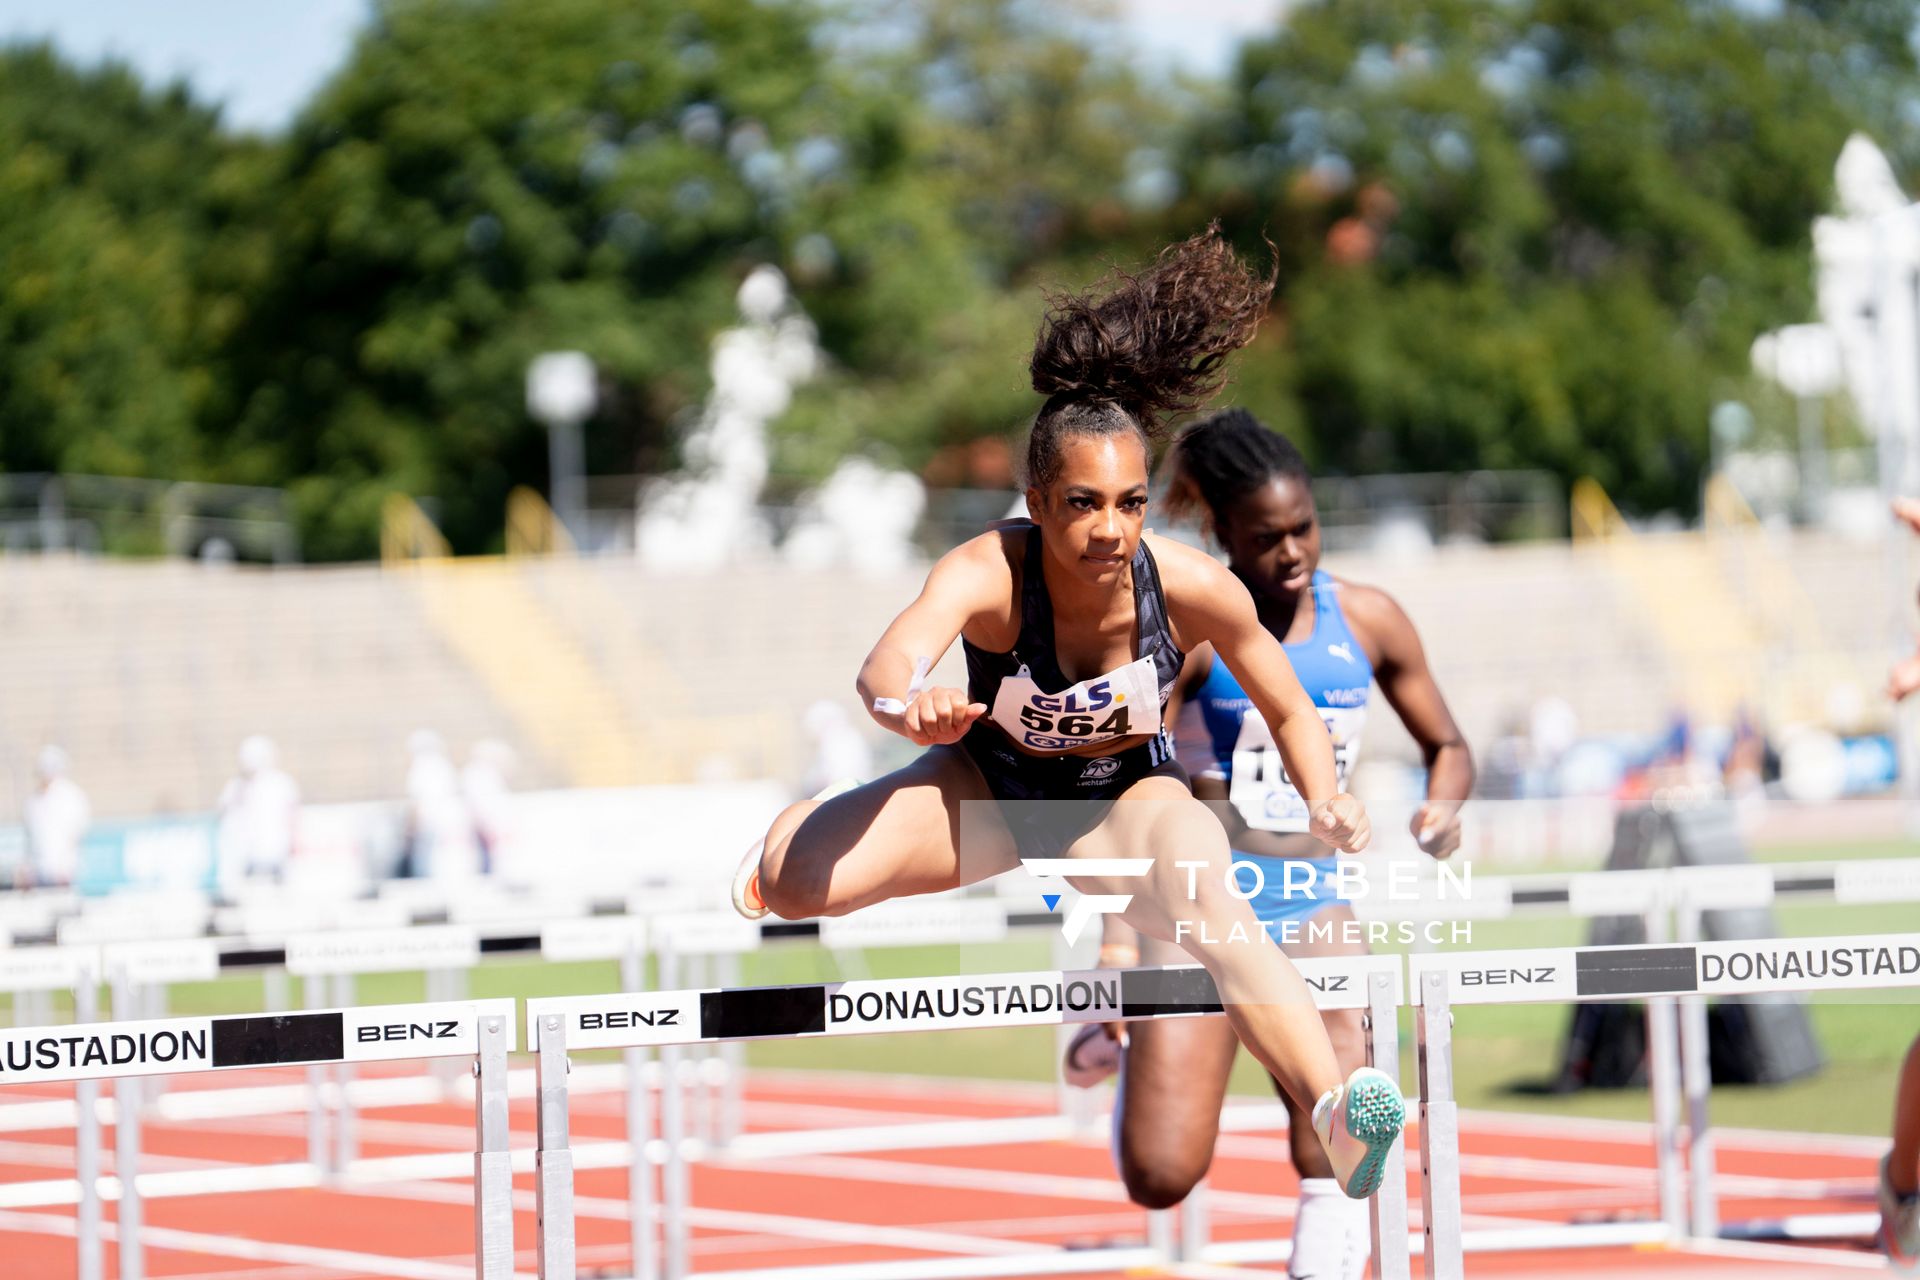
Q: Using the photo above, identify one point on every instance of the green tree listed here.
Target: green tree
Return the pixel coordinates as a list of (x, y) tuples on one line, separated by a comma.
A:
[(1030, 156), (106, 207), (1536, 234), (483, 182)]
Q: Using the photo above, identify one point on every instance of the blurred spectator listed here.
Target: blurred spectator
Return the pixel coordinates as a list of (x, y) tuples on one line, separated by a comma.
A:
[(1904, 679), (440, 836), (259, 808), (840, 752), (1553, 727), (1747, 766), (1503, 775), (57, 817), (483, 784)]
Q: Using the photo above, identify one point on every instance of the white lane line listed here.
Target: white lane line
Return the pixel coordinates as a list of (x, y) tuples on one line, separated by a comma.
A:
[(1548, 1127), (1804, 1255), (822, 1230), (1529, 1168), (1105, 1190), (252, 1250)]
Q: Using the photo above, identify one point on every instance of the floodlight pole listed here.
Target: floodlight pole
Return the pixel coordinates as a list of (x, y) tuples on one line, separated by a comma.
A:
[(562, 393)]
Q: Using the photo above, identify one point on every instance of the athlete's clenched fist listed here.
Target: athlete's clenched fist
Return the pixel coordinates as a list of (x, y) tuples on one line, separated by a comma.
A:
[(1341, 821), (940, 716)]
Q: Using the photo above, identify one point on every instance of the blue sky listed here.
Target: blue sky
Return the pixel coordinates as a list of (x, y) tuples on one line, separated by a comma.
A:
[(262, 58)]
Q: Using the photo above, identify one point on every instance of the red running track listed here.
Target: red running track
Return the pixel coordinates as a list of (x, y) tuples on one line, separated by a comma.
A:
[(825, 1209)]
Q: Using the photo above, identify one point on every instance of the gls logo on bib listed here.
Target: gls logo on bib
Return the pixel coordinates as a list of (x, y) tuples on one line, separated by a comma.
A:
[(1117, 705)]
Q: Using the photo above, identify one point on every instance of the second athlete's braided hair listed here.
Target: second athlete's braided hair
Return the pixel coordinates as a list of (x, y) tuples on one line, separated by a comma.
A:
[(1221, 459)]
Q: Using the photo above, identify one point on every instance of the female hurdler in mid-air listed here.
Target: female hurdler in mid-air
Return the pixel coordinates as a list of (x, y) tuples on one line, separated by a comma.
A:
[(1074, 627)]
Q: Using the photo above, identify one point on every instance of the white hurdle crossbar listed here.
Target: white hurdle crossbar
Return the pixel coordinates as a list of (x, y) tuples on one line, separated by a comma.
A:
[(87, 1052), (1655, 973), (673, 1019)]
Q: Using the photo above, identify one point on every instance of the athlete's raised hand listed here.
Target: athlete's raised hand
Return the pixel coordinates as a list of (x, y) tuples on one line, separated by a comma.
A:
[(1904, 679), (940, 716), (1907, 511), (1341, 821), (1436, 828)]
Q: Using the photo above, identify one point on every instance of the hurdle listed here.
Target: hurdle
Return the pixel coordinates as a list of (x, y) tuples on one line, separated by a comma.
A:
[(1770, 966), (87, 1052), (673, 1019)]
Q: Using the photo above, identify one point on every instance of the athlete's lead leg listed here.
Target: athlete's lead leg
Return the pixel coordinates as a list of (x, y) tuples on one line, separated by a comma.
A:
[(1185, 900)]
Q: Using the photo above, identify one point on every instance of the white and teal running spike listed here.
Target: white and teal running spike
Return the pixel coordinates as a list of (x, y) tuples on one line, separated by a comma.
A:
[(1358, 1122)]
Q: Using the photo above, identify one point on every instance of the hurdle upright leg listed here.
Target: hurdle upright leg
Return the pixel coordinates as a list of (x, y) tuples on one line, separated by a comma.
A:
[(675, 1190), (1663, 1080), (1078, 1107), (313, 994), (643, 1216), (1696, 1083), (1439, 1131), (1388, 1208), (346, 1144), (86, 1155), (128, 1098), (1196, 1225), (492, 1160), (733, 1061), (553, 1160), (704, 1062)]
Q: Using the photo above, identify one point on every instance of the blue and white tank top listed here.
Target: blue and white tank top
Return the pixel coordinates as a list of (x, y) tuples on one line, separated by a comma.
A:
[(1336, 674)]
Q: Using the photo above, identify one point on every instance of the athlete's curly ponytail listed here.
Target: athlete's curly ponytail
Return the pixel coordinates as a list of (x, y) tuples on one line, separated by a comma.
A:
[(1142, 348), (1221, 459)]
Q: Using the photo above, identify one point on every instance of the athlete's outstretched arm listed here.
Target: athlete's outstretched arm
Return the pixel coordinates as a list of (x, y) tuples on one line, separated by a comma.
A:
[(970, 583), (1208, 604), (1401, 668)]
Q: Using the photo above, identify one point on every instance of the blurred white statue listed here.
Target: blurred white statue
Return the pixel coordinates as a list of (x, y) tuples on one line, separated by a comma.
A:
[(58, 816), (440, 836), (1864, 257), (259, 809), (863, 516), (841, 753), (483, 784), (709, 516)]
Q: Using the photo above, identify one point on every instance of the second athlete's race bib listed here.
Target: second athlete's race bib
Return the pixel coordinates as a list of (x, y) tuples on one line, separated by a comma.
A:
[(1260, 789), (1119, 704)]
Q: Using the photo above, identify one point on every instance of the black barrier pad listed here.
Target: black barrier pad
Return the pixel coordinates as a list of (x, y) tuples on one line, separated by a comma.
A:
[(763, 1011), (1804, 884), (253, 959), (1153, 993), (1635, 970), (272, 1038)]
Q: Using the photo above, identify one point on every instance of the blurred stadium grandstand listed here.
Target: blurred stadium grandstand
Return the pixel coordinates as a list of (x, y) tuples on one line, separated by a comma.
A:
[(150, 671)]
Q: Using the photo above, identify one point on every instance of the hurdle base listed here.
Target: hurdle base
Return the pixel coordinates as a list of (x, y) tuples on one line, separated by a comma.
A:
[(1805, 1226)]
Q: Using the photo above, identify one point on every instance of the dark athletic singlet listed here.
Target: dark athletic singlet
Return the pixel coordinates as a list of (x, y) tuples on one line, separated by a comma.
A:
[(1056, 714), (1031, 702)]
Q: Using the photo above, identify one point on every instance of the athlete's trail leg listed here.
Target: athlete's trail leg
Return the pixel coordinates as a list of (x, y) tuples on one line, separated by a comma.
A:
[(1903, 1163), (897, 835), (1169, 1112)]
